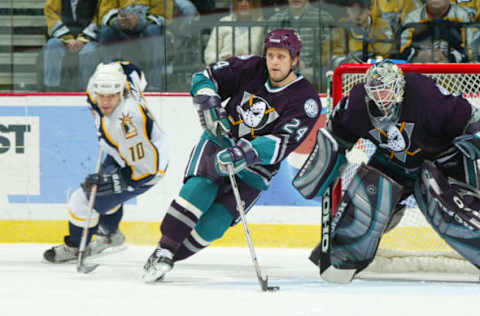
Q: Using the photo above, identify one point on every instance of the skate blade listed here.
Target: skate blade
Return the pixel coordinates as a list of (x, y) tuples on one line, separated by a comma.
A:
[(106, 252), (156, 275)]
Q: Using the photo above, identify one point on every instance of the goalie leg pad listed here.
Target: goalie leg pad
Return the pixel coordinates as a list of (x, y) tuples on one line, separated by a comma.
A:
[(362, 218), (322, 167), (435, 198)]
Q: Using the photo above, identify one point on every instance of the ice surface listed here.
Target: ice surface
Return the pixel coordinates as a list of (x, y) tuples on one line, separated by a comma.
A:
[(215, 282)]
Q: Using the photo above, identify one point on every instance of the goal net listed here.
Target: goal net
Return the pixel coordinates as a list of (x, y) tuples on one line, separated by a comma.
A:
[(413, 246)]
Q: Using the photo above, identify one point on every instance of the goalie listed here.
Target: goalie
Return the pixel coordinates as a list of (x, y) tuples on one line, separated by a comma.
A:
[(427, 140)]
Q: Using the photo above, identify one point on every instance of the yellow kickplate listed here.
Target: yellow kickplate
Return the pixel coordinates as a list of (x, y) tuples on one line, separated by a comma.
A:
[(148, 233)]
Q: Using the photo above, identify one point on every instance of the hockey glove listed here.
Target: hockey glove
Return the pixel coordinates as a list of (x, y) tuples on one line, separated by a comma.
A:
[(212, 116), (107, 184), (454, 198), (240, 157), (469, 145)]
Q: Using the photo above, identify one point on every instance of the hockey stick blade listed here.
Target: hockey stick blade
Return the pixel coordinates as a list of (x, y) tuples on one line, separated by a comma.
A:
[(265, 287), (86, 268)]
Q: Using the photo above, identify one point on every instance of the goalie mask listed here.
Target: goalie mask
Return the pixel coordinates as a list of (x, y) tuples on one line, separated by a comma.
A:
[(385, 86), (108, 79)]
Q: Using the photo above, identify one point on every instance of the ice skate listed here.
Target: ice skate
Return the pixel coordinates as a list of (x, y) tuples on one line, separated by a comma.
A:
[(63, 253), (158, 264), (106, 243)]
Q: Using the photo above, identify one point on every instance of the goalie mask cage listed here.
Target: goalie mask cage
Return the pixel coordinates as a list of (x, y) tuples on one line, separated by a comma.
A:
[(412, 250)]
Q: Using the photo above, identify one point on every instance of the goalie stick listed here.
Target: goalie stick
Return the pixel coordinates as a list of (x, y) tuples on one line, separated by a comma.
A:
[(324, 258), (82, 267)]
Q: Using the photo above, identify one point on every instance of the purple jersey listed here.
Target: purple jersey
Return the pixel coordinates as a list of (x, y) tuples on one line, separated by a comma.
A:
[(275, 119), (430, 118)]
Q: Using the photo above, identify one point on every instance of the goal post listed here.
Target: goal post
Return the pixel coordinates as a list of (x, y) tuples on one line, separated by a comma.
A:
[(413, 246)]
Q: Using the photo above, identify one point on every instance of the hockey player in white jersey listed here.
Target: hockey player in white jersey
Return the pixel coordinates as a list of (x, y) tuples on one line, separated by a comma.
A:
[(136, 158)]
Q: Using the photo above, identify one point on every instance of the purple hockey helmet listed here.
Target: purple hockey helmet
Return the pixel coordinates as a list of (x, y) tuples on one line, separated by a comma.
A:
[(284, 38)]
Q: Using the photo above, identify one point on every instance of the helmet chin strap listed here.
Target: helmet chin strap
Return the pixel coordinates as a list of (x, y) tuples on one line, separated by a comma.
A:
[(277, 81)]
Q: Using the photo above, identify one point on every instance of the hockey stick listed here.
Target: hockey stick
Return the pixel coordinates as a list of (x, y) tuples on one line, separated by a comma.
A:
[(81, 266), (240, 207), (324, 257)]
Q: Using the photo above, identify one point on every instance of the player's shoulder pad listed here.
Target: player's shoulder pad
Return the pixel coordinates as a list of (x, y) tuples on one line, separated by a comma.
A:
[(418, 87), (239, 62), (129, 67), (312, 104), (356, 100)]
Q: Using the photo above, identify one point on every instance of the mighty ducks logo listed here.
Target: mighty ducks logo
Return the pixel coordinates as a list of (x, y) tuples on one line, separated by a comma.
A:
[(128, 128), (396, 139), (255, 113)]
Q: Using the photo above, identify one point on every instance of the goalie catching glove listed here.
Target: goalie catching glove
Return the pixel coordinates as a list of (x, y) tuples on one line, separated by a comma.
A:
[(458, 200), (107, 183), (239, 157), (469, 145), (213, 117)]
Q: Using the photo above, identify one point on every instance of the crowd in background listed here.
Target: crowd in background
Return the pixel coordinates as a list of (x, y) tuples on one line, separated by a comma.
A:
[(171, 39)]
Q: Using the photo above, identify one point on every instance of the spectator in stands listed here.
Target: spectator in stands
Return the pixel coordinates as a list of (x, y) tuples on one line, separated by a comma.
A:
[(472, 6), (394, 12), (204, 6), (362, 36), (270, 7), (183, 17), (72, 28), (183, 44), (184, 13), (135, 30), (439, 35), (307, 21), (245, 41)]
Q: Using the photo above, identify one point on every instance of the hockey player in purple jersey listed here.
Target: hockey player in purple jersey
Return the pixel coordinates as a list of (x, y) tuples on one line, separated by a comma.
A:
[(427, 140), (270, 111)]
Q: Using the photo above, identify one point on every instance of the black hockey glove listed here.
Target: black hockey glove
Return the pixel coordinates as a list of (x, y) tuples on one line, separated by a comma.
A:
[(107, 184), (212, 116)]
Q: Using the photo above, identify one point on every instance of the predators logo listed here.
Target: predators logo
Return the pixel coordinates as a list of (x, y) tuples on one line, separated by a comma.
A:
[(128, 128)]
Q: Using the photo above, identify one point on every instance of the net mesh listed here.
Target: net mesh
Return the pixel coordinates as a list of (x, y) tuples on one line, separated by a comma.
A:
[(413, 245)]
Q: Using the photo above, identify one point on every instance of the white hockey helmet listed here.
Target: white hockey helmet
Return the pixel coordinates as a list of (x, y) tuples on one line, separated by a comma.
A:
[(385, 86), (108, 79)]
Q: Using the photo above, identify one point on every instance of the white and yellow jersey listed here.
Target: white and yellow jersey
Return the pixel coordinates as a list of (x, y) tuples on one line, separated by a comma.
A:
[(130, 136)]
